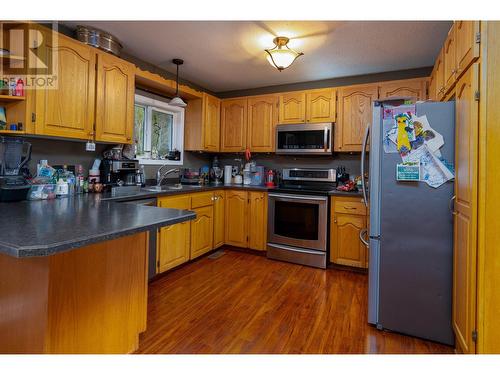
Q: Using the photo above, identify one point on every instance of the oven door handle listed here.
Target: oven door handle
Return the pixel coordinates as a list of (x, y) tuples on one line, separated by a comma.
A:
[(325, 139), (301, 197)]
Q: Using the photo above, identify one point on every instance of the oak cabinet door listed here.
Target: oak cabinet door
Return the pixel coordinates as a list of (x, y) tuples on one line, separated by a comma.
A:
[(236, 218), (450, 63), (68, 110), (413, 88), (320, 105), (115, 99), (202, 231), (234, 125), (465, 218), (355, 113), (433, 86), (346, 247), (173, 246), (262, 120), (219, 218), (439, 69), (211, 123), (292, 108), (467, 44), (257, 226)]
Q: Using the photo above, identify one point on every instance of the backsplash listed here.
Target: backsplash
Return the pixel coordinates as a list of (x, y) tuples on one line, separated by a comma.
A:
[(73, 152), (273, 161)]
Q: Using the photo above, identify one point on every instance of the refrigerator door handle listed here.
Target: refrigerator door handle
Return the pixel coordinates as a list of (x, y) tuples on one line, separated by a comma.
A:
[(451, 205), (362, 238), (363, 157)]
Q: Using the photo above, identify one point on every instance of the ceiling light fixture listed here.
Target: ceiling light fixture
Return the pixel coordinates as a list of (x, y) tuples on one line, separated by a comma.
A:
[(281, 56), (177, 100)]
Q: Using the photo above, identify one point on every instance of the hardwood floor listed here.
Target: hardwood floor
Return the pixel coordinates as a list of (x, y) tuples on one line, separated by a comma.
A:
[(244, 303)]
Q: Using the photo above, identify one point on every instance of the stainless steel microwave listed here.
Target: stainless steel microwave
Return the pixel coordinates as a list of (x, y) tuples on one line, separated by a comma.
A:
[(304, 138)]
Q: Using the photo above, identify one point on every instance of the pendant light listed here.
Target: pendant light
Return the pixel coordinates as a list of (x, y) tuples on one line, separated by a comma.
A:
[(177, 101), (281, 56)]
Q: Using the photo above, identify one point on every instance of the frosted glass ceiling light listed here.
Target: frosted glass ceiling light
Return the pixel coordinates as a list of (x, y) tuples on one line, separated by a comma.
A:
[(281, 56)]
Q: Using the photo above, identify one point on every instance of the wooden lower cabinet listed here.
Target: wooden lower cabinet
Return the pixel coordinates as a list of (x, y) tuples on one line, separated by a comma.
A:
[(173, 246), (348, 219), (236, 218), (257, 217), (246, 219), (219, 218), (202, 231)]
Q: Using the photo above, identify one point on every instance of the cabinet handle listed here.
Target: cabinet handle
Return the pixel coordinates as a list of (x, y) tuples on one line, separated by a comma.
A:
[(349, 208), (129, 139), (335, 219)]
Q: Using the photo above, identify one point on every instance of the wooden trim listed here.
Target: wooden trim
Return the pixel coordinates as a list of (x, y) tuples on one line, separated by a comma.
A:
[(155, 82)]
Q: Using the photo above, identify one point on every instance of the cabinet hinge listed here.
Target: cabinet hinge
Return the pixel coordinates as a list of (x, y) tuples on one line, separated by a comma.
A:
[(33, 117), (478, 37), (477, 95), (474, 336)]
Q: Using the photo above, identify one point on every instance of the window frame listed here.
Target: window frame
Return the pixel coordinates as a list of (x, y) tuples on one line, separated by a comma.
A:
[(177, 128)]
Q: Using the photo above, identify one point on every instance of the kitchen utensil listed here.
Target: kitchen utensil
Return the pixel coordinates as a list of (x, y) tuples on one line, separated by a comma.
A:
[(99, 39)]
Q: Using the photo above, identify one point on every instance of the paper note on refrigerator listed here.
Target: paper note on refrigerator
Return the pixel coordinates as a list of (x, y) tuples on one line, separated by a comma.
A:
[(425, 134), (433, 171)]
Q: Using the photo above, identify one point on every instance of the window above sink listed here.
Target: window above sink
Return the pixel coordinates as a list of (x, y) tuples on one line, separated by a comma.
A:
[(158, 130)]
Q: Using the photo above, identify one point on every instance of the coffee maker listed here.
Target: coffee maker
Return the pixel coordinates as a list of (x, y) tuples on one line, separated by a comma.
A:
[(119, 172), (15, 153)]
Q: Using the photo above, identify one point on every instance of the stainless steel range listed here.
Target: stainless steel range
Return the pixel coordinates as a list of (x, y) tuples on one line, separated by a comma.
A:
[(298, 216)]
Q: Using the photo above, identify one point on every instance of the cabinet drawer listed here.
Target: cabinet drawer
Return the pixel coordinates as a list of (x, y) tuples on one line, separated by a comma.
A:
[(202, 199), (353, 206), (180, 202)]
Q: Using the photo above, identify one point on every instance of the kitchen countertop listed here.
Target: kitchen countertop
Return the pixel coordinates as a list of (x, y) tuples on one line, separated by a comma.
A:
[(187, 189), (42, 228)]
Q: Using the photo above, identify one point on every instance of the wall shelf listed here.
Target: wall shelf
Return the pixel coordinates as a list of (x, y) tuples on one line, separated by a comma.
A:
[(11, 98)]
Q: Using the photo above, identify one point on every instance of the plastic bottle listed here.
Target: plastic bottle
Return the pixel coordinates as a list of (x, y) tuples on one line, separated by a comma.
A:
[(61, 188)]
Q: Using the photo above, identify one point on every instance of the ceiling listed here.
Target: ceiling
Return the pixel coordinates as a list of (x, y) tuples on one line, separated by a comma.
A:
[(229, 55)]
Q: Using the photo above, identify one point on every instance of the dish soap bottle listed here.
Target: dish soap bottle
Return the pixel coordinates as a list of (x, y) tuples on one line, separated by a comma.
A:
[(62, 188)]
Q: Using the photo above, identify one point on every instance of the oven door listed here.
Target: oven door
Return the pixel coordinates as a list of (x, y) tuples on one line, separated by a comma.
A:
[(304, 139), (298, 220)]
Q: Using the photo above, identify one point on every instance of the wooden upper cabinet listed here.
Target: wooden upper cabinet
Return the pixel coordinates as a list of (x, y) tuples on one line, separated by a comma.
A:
[(262, 120), (68, 110), (450, 67), (233, 125), (414, 88), (211, 123), (320, 105), (202, 124), (439, 75), (467, 43), (432, 86), (354, 114), (292, 108), (115, 99)]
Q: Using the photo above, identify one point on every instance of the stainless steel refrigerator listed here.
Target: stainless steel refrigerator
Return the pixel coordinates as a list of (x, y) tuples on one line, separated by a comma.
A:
[(410, 236)]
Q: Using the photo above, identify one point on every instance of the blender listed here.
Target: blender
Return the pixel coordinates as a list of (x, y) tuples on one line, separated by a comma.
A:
[(14, 154)]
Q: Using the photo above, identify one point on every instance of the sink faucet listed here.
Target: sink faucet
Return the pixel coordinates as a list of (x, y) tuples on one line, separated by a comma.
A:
[(160, 176)]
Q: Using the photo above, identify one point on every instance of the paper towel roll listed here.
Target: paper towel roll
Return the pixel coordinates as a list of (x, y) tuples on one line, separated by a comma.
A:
[(228, 174)]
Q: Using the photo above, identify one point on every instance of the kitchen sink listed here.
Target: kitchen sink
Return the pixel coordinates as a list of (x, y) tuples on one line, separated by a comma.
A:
[(170, 187)]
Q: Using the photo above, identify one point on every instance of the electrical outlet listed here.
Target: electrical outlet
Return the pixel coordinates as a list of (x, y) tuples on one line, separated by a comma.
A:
[(90, 146)]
